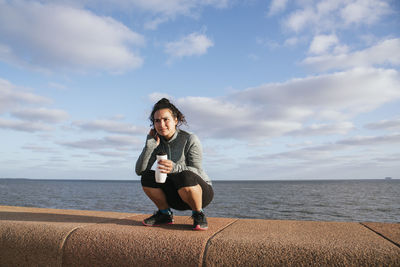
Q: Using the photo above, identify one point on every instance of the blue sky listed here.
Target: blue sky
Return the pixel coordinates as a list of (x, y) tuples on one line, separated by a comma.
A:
[(290, 89)]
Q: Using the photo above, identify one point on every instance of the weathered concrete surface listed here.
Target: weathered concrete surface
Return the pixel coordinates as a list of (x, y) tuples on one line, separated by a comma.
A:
[(389, 231), (288, 243), (50, 237), (129, 243), (35, 237)]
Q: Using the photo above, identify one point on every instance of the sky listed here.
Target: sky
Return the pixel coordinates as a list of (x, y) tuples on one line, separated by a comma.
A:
[(275, 90)]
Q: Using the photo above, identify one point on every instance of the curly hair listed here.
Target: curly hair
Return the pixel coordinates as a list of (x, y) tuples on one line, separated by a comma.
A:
[(165, 103)]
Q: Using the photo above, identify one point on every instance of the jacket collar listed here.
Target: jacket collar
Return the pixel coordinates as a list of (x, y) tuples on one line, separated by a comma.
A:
[(172, 138)]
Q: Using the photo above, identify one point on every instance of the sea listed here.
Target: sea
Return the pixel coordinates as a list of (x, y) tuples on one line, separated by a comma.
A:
[(312, 200)]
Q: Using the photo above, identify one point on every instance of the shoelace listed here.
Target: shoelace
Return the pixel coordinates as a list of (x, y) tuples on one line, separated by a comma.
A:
[(198, 216)]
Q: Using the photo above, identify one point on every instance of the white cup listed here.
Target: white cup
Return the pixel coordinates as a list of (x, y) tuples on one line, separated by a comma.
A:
[(160, 177)]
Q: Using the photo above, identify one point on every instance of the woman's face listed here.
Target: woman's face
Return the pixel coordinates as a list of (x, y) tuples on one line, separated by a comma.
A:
[(165, 123)]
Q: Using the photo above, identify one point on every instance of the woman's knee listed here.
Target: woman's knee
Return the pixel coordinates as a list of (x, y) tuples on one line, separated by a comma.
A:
[(191, 189), (151, 191)]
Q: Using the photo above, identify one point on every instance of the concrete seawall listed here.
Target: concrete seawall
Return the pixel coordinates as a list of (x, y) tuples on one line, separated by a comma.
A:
[(54, 237)]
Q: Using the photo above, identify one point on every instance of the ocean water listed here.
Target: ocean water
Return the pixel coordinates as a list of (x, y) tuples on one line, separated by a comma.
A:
[(333, 200)]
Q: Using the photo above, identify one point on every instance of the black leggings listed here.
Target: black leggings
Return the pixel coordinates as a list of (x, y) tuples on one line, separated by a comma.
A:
[(174, 182)]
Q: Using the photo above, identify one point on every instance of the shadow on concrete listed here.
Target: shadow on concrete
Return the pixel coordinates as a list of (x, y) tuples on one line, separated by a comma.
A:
[(132, 222), (180, 227), (54, 217), (70, 218)]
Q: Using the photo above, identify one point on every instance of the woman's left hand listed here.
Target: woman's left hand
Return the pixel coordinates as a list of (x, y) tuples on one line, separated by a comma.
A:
[(165, 165)]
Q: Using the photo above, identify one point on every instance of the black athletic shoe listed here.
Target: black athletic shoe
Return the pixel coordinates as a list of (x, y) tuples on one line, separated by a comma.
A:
[(199, 221), (158, 219)]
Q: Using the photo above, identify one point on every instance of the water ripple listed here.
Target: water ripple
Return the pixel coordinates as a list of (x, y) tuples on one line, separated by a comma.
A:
[(351, 200)]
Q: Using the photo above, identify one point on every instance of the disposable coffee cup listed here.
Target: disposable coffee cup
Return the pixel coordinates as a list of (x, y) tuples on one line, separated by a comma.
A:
[(160, 177)]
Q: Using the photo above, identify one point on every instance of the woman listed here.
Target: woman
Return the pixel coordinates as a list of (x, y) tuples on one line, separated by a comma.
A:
[(187, 186)]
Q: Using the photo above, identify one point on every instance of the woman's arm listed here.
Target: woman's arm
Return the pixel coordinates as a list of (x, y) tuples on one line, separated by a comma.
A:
[(147, 157)]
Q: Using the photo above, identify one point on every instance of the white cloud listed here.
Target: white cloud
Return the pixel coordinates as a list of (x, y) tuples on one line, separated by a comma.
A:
[(169, 8), (110, 126), (319, 16), (119, 142), (41, 114), (57, 36), (23, 126), (153, 24), (222, 119), (328, 151), (354, 91), (291, 41), (322, 43), (306, 143), (277, 6), (364, 11), (325, 129), (299, 19), (356, 158), (272, 44), (57, 86), (123, 140), (194, 44), (12, 97), (16, 102), (156, 11), (393, 124), (39, 149), (287, 108), (370, 140), (385, 52), (111, 154)]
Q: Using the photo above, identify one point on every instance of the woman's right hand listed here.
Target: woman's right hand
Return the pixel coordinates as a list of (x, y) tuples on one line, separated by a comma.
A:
[(154, 134)]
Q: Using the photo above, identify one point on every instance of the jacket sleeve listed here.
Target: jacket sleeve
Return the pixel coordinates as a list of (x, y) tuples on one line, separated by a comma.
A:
[(147, 157), (193, 157)]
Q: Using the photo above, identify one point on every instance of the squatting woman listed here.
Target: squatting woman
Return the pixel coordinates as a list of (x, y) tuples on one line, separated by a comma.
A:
[(187, 186)]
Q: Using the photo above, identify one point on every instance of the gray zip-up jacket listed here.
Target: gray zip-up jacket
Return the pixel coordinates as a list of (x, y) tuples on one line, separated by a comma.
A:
[(183, 149)]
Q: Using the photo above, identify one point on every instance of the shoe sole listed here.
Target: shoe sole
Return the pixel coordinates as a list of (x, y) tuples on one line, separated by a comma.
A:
[(198, 228), (151, 225)]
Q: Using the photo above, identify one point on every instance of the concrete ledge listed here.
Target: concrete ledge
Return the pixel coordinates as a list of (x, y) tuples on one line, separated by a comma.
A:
[(50, 237)]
